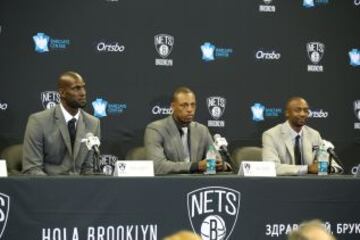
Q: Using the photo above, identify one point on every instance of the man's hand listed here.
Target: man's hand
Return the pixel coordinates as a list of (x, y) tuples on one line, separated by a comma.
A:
[(313, 168)]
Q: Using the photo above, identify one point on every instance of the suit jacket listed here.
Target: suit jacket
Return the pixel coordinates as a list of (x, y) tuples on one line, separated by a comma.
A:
[(163, 145), (47, 146), (278, 147)]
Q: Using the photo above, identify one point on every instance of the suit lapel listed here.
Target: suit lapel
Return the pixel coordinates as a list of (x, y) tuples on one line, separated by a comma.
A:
[(60, 122), (307, 147), (176, 139), (193, 142), (288, 142), (80, 131)]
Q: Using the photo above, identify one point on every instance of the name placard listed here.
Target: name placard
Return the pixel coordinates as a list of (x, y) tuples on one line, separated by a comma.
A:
[(138, 168), (3, 168), (257, 169)]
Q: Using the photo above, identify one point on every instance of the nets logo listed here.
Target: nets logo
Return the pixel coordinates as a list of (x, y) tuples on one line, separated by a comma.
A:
[(164, 44), (107, 164), (213, 211), (315, 52), (357, 2), (4, 211), (267, 7), (216, 106), (49, 99)]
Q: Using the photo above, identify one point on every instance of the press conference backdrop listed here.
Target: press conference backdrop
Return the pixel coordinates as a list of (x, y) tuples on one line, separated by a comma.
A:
[(243, 59)]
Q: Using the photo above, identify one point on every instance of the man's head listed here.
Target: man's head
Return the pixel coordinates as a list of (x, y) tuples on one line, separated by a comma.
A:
[(297, 112), (183, 235), (183, 103), (72, 91), (312, 230)]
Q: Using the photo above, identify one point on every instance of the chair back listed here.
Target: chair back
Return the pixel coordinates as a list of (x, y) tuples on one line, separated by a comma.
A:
[(249, 153), (137, 153), (13, 156)]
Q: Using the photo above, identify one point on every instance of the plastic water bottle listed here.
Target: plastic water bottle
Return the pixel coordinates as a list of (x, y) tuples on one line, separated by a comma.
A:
[(323, 160), (210, 160)]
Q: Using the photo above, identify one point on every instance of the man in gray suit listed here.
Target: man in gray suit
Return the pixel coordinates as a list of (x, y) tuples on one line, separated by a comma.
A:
[(52, 142), (292, 145), (177, 144)]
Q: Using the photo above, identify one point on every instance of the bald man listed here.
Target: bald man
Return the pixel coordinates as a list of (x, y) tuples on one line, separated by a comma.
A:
[(52, 141), (312, 230), (292, 145)]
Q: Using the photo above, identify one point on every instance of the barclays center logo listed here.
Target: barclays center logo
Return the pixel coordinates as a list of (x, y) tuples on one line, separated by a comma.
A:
[(43, 43), (314, 3), (102, 108), (213, 211), (4, 212), (354, 56), (210, 52), (259, 112), (216, 106), (50, 99), (315, 52)]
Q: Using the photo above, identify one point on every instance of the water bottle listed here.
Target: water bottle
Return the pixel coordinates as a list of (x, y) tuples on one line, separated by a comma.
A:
[(211, 160), (323, 160)]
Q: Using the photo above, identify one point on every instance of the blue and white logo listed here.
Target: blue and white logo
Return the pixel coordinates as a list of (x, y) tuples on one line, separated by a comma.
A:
[(208, 51), (309, 3), (99, 106), (354, 55), (41, 42), (44, 43), (258, 112), (313, 3), (103, 108)]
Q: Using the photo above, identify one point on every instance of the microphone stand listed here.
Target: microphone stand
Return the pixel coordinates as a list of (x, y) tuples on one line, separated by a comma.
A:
[(228, 159), (96, 163)]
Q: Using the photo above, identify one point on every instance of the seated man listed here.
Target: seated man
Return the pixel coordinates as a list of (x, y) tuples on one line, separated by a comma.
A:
[(52, 142), (177, 143), (292, 145)]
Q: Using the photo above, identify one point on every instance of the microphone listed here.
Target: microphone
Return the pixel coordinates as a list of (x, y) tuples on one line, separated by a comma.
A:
[(221, 144), (92, 142), (330, 149)]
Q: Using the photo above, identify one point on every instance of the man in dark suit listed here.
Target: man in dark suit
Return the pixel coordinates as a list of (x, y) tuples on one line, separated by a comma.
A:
[(52, 142), (292, 145), (177, 143)]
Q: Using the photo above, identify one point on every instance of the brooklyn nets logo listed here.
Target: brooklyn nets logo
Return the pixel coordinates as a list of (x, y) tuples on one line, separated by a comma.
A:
[(213, 211), (216, 106), (4, 211)]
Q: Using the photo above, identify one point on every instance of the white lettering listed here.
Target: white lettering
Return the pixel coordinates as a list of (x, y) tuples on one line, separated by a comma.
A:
[(267, 55), (275, 230), (315, 68), (157, 110), (2, 214), (103, 47), (163, 62)]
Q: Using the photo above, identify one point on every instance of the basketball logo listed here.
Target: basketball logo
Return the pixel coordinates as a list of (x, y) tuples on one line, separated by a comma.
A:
[(213, 211), (213, 227)]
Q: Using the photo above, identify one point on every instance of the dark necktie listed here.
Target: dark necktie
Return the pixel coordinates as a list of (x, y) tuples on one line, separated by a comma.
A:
[(72, 130), (297, 152)]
